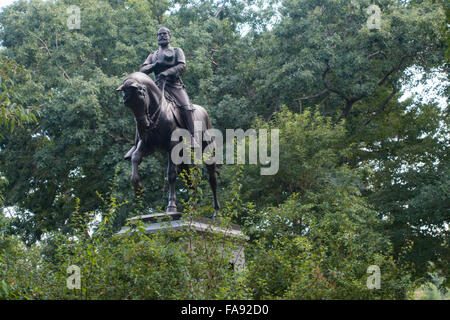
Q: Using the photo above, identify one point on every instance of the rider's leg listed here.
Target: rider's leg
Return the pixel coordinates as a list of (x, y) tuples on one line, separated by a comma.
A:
[(186, 113)]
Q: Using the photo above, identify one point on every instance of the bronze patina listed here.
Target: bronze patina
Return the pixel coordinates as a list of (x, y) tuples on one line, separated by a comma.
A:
[(168, 64), (156, 107)]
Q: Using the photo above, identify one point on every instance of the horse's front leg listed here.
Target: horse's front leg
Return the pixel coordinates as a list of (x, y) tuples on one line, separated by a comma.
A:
[(213, 183), (172, 177), (136, 159)]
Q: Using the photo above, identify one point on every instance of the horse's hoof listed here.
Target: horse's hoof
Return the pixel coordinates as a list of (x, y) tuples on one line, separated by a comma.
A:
[(171, 209)]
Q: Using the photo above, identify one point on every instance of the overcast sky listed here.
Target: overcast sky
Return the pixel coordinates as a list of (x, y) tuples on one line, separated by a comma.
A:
[(5, 2)]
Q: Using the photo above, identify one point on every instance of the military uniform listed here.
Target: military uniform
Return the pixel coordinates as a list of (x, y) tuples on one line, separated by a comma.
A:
[(168, 63), (172, 62)]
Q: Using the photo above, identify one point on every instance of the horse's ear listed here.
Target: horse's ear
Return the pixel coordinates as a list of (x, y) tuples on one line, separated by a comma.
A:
[(120, 88)]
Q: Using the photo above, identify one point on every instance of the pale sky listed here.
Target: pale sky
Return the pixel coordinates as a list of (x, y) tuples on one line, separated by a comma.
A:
[(5, 2)]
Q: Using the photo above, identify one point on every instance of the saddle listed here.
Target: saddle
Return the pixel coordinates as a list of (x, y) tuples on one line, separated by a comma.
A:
[(176, 112)]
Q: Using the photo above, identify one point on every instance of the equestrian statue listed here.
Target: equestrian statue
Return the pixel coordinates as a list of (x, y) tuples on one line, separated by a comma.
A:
[(160, 107)]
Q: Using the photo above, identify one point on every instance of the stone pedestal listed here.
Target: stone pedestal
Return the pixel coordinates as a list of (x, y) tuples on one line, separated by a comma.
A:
[(173, 221)]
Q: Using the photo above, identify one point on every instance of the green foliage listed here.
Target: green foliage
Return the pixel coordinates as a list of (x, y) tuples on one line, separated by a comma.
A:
[(312, 151), (12, 111), (329, 57), (318, 239), (326, 257), (320, 248), (167, 265), (431, 290), (408, 157)]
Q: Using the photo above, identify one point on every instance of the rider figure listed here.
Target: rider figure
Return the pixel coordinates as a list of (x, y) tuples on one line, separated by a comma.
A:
[(168, 63)]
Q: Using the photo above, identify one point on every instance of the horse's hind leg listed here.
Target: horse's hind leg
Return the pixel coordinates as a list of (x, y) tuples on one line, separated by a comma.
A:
[(136, 159), (213, 183), (172, 177)]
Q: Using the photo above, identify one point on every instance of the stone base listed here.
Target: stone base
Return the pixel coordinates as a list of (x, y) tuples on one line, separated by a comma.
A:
[(172, 221)]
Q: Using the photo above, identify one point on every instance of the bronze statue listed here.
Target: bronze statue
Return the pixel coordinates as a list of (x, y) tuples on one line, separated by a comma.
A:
[(168, 63), (156, 119)]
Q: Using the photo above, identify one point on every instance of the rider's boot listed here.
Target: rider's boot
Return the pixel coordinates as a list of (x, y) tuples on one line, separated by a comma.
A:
[(188, 120), (129, 153)]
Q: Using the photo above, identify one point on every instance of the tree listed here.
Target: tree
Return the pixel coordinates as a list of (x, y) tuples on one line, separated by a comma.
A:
[(329, 57), (409, 183), (83, 128)]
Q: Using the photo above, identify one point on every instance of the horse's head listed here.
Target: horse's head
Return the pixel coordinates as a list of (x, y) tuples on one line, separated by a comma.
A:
[(136, 97), (141, 95)]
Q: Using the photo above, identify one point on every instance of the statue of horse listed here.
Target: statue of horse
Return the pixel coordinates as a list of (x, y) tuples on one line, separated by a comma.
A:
[(156, 120)]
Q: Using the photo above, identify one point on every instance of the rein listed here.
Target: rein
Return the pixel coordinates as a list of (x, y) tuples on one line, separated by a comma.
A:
[(152, 123)]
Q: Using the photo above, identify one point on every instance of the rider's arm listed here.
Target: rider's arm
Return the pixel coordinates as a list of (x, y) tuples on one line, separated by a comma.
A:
[(147, 67)]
